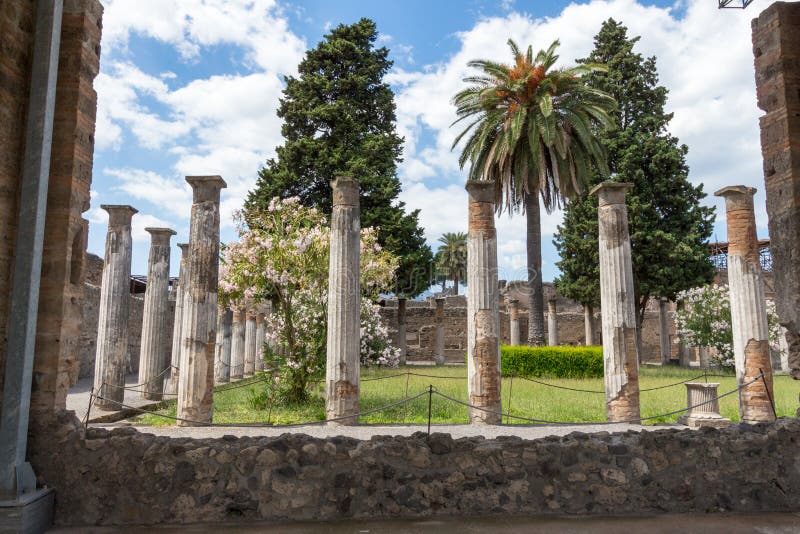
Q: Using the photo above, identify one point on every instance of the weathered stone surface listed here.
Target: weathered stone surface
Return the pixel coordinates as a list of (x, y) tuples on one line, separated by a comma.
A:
[(401, 337), (513, 322), (748, 307), (237, 343), (776, 47), (483, 294), (153, 356), (588, 325), (171, 383), (663, 331), (344, 301), (222, 362), (620, 353), (438, 343), (199, 329), (552, 323), (703, 404), (123, 477), (250, 343)]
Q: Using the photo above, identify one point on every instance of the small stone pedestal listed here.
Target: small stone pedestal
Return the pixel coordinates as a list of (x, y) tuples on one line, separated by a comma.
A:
[(31, 512), (706, 407)]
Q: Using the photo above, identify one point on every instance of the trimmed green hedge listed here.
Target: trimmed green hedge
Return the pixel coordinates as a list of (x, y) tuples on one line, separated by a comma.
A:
[(555, 362)]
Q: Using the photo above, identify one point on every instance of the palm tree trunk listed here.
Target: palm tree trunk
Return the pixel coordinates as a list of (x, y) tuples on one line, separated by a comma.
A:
[(455, 285), (535, 290)]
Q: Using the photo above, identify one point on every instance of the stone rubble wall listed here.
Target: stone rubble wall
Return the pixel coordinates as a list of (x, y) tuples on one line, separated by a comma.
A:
[(124, 477)]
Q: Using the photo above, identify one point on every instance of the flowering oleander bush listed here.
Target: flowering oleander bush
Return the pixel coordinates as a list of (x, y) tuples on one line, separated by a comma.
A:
[(706, 322), (282, 256)]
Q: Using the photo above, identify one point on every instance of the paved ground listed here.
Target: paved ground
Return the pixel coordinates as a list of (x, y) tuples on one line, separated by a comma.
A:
[(365, 432), (78, 400), (774, 523)]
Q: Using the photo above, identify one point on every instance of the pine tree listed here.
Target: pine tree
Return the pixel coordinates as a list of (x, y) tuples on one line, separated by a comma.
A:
[(339, 119), (668, 227)]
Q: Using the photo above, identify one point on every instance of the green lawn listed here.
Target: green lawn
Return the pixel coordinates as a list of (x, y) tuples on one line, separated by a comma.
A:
[(527, 399)]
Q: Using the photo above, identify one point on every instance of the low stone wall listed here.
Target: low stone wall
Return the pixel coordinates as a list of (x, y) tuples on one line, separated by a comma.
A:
[(125, 477)]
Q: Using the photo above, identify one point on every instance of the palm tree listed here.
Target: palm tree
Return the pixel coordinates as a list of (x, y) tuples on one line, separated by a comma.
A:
[(452, 257), (533, 132)]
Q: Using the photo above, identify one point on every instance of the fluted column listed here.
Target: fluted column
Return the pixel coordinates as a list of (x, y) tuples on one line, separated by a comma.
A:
[(513, 321), (620, 352), (663, 332), (438, 341), (704, 357), (260, 339), (153, 352), (250, 343), (114, 309), (222, 361), (483, 293), (402, 343), (171, 382), (748, 305), (237, 344), (684, 352), (588, 324), (702, 402), (552, 323), (196, 382), (344, 296)]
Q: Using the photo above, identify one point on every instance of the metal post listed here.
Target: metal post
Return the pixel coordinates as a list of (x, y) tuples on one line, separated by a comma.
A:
[(430, 403), (16, 475)]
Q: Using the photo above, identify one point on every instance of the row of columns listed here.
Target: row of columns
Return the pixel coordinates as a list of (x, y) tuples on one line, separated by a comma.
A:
[(241, 336)]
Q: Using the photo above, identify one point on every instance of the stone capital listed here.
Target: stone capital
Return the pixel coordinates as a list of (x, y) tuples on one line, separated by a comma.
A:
[(184, 248), (737, 197), (610, 193), (160, 236), (480, 191), (345, 191), (513, 303), (119, 214), (206, 188)]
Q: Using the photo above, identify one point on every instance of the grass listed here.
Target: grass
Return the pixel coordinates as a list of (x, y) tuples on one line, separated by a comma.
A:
[(380, 387)]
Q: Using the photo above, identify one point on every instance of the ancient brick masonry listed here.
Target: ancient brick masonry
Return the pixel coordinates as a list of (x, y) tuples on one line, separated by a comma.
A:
[(776, 47)]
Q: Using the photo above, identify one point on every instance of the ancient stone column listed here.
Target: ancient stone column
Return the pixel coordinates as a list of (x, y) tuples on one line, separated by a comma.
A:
[(552, 323), (777, 57), (684, 353), (223, 350), (237, 344), (483, 294), (401, 330), (704, 357), (663, 332), (620, 352), (438, 341), (250, 343), (260, 339), (748, 306), (344, 299), (196, 382), (153, 352), (114, 309), (171, 382), (588, 324), (703, 404), (513, 321)]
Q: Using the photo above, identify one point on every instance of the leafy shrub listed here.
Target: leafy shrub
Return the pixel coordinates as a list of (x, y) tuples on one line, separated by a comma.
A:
[(554, 362)]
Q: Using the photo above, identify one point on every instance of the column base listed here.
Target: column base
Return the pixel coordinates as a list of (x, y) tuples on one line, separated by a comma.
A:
[(30, 513), (701, 421)]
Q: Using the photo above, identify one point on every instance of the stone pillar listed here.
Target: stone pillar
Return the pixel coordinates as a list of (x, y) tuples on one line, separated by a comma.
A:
[(344, 300), (402, 342), (588, 324), (196, 382), (552, 323), (684, 354), (777, 70), (704, 357), (620, 351), (250, 343), (703, 404), (153, 353), (483, 339), (663, 332), (171, 383), (438, 341), (114, 309), (237, 344), (260, 339), (748, 306), (513, 322), (223, 349)]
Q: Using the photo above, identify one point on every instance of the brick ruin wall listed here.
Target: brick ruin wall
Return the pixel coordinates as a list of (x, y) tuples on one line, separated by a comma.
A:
[(123, 477), (776, 48)]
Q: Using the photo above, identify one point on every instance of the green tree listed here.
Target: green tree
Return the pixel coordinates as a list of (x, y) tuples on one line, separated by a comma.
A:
[(451, 258), (339, 119), (668, 227), (532, 132)]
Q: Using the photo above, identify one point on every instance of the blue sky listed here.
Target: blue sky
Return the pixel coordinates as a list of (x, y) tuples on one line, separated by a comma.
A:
[(191, 87)]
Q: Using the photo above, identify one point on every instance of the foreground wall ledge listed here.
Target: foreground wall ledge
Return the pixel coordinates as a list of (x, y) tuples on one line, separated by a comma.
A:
[(124, 476)]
